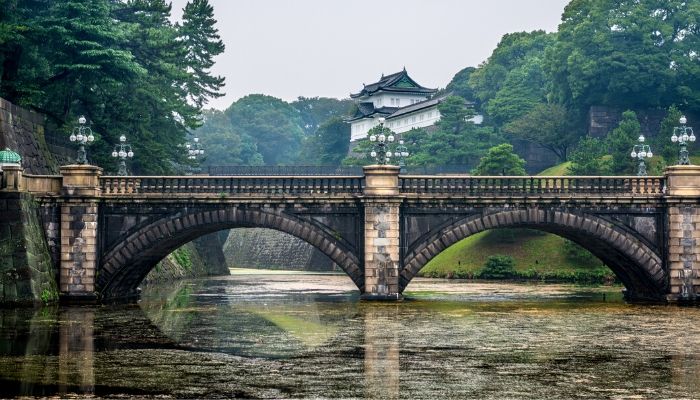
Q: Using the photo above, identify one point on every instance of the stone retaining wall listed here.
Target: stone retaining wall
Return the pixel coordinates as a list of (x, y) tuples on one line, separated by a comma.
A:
[(23, 131), (271, 249), (27, 273)]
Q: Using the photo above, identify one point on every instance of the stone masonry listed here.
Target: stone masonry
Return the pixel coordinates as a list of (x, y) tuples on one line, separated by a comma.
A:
[(683, 232), (381, 232), (79, 231)]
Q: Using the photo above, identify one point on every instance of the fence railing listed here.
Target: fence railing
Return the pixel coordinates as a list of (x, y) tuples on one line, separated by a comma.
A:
[(223, 185), (525, 185), (282, 170), (408, 184)]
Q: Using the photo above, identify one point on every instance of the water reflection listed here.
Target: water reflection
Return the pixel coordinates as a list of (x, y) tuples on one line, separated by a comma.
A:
[(291, 336)]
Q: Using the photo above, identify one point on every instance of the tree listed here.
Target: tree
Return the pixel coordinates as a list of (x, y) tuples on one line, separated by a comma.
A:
[(500, 160), (223, 144), (459, 85), (273, 125), (122, 64), (548, 125), (628, 53), (512, 80), (329, 144), (315, 111), (661, 144), (588, 158), (620, 143), (454, 114), (201, 39)]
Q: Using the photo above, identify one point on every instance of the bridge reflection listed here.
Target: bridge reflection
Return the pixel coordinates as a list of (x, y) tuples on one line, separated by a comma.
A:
[(195, 339)]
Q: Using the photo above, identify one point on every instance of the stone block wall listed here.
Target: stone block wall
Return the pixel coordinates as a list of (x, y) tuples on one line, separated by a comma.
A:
[(27, 272), (185, 262), (23, 131), (271, 249), (381, 250), (602, 120), (684, 251)]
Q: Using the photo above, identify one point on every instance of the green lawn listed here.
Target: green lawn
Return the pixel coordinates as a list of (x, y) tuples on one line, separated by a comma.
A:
[(557, 170)]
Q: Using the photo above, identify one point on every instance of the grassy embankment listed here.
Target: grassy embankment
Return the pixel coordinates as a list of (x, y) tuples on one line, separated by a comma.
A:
[(537, 255)]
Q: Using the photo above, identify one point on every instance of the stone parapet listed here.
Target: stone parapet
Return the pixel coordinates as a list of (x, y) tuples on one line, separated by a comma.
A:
[(81, 180), (381, 180), (683, 180)]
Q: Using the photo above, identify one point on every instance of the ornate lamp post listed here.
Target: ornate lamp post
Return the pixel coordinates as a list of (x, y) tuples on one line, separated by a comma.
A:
[(194, 149), (401, 152), (380, 152), (640, 152), (82, 135), (683, 134), (122, 150)]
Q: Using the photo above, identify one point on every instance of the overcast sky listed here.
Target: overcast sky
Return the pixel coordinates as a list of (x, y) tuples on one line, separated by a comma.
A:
[(329, 48)]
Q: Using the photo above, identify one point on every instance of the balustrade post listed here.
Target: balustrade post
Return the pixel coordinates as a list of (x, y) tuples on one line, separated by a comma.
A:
[(11, 179), (683, 232), (81, 192), (381, 203)]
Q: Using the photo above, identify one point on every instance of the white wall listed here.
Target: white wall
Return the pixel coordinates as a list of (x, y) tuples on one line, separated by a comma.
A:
[(393, 100), (405, 123)]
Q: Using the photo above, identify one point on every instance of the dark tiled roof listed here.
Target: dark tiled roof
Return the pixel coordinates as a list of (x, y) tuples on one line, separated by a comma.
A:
[(366, 109), (398, 82)]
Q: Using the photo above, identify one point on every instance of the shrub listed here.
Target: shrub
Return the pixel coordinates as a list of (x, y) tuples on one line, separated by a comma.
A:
[(498, 267)]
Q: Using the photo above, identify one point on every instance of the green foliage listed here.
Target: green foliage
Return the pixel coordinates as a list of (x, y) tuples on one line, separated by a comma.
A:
[(538, 256), (498, 267), (273, 125), (459, 85), (500, 160), (328, 145), (512, 80), (549, 125), (224, 144), (182, 258), (580, 256), (199, 36), (122, 64), (661, 144), (49, 296), (619, 144), (315, 111), (627, 53), (455, 141), (588, 158), (361, 152)]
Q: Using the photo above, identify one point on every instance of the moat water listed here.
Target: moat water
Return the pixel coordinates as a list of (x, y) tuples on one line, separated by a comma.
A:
[(309, 336)]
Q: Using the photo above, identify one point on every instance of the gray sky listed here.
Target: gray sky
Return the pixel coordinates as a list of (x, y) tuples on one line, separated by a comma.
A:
[(328, 48)]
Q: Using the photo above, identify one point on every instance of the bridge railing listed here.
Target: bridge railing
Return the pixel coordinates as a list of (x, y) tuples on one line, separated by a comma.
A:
[(223, 185), (532, 185)]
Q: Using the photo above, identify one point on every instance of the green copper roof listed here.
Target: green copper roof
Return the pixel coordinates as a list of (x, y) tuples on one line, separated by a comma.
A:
[(8, 156)]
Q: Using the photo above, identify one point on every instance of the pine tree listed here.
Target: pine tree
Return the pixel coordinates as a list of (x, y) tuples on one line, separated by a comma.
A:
[(201, 40)]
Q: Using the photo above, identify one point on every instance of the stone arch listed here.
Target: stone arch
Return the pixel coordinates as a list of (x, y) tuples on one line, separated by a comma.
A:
[(123, 267), (638, 267)]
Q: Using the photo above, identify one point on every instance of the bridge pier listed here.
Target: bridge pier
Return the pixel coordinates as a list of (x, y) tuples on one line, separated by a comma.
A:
[(381, 203), (79, 212), (682, 197)]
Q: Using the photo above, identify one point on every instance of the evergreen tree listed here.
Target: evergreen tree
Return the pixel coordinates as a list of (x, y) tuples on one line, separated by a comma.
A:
[(201, 40), (620, 143), (589, 158), (501, 160), (329, 144)]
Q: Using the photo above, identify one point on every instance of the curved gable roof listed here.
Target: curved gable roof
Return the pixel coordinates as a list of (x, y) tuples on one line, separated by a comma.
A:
[(398, 82)]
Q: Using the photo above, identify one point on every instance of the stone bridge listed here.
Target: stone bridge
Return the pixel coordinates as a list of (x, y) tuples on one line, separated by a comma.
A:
[(381, 228)]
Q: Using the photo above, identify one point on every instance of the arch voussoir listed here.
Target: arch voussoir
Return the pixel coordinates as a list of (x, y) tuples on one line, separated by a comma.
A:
[(125, 265), (638, 266)]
